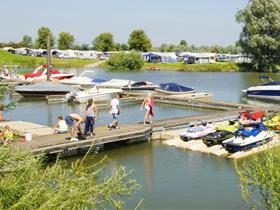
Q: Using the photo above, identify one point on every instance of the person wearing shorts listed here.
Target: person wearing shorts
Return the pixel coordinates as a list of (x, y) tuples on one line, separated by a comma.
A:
[(148, 104), (74, 121), (115, 111)]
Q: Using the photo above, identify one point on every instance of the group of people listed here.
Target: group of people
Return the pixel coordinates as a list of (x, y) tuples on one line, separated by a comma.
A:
[(73, 121)]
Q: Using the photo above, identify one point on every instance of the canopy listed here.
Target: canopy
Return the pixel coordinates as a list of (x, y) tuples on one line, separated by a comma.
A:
[(173, 87)]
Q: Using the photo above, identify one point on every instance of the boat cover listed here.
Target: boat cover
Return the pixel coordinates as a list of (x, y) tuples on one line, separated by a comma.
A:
[(45, 86), (173, 87), (97, 80)]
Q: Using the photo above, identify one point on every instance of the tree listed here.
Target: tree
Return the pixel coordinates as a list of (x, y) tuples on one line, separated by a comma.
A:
[(183, 43), (260, 36), (84, 47), (124, 47), (171, 48), (259, 179), (65, 41), (104, 42), (139, 41), (26, 41), (163, 47), (41, 41), (118, 46), (125, 61)]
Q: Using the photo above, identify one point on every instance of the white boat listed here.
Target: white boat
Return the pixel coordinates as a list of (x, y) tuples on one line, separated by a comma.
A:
[(269, 90), (83, 79), (115, 83), (97, 94)]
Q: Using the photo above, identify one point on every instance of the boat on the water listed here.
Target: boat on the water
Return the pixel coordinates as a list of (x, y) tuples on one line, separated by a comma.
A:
[(197, 132), (82, 80), (43, 89), (269, 89), (41, 75), (115, 83), (173, 88), (245, 139), (139, 86), (96, 93)]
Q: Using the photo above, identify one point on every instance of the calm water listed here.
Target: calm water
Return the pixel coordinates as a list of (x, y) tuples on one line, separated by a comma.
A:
[(170, 178)]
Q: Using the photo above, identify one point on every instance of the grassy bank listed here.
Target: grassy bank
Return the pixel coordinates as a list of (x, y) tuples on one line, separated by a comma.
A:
[(215, 67), (7, 58)]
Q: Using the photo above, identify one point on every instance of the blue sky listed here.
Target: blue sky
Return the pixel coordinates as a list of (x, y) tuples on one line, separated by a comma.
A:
[(200, 22)]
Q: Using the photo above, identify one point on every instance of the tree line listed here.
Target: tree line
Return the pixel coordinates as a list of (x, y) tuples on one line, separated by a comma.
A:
[(138, 41)]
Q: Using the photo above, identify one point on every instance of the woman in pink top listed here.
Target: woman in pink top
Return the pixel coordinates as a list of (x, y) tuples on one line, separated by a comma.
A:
[(148, 104)]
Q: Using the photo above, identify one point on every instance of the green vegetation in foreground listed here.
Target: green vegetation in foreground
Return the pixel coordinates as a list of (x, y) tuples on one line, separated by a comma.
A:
[(259, 179), (7, 58)]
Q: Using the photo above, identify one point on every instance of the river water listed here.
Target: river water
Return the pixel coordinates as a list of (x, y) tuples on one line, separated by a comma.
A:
[(170, 178)]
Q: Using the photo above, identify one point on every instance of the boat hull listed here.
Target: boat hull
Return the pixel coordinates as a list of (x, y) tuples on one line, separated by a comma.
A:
[(172, 93)]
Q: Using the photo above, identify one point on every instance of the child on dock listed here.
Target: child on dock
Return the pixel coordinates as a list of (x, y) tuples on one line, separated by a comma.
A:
[(7, 135), (70, 121), (90, 115), (60, 127), (115, 111), (148, 104)]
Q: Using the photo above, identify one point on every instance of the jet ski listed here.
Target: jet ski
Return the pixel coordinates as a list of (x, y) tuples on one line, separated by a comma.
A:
[(197, 132)]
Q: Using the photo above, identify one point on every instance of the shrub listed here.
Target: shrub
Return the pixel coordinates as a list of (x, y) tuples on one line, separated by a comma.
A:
[(125, 61)]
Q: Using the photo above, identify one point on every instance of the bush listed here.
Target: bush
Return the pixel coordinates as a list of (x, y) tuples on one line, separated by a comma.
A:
[(125, 61)]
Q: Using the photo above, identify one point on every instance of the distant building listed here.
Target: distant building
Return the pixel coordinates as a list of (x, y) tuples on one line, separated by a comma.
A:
[(157, 57)]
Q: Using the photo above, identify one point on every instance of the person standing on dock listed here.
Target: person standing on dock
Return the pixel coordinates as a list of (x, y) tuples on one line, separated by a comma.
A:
[(115, 111), (70, 121), (90, 117), (148, 104)]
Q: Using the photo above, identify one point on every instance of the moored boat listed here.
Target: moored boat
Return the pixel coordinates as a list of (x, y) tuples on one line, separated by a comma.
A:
[(115, 83), (97, 94), (268, 90), (245, 139), (197, 132), (173, 88), (43, 89), (139, 86)]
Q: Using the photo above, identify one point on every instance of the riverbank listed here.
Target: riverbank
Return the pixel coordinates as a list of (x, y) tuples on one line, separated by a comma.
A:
[(7, 58)]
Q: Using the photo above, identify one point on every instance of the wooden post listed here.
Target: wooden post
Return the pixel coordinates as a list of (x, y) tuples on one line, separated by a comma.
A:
[(49, 57)]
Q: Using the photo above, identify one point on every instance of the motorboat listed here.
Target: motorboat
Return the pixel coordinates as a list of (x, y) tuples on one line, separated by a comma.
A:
[(198, 131), (43, 89), (10, 76), (221, 134), (96, 93), (139, 86), (245, 139), (82, 80), (269, 89), (173, 88), (115, 83), (41, 75)]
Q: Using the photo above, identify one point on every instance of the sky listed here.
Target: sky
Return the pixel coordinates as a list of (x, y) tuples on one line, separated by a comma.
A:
[(199, 22)]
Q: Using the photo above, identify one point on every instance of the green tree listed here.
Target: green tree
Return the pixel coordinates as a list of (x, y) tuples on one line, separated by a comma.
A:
[(65, 41), (42, 39), (171, 48), (124, 47), (139, 41), (125, 61), (183, 43), (104, 42), (259, 179), (84, 47), (260, 36), (26, 41), (163, 47), (117, 46)]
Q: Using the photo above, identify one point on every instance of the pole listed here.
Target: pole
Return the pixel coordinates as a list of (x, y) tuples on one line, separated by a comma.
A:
[(49, 57)]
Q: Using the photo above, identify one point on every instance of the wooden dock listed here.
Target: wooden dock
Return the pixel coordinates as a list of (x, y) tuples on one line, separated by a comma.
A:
[(199, 100), (44, 141)]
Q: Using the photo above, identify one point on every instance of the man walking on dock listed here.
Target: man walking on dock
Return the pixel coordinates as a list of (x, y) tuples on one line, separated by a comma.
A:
[(115, 111), (70, 121)]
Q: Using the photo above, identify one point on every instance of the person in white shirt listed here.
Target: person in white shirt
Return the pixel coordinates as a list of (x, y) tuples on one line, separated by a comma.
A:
[(60, 126), (90, 116), (115, 111)]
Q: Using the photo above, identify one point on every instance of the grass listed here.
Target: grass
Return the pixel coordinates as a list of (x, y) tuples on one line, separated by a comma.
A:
[(7, 58)]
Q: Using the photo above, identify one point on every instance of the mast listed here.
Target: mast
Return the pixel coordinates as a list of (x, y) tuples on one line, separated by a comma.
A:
[(49, 57)]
